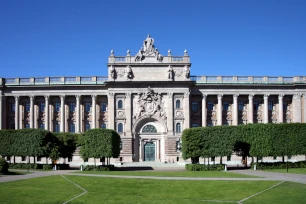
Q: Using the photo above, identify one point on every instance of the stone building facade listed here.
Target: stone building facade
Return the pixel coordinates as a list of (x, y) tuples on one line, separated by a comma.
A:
[(149, 99)]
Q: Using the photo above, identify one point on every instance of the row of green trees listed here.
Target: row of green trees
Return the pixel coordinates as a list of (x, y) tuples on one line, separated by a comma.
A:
[(94, 143), (256, 140)]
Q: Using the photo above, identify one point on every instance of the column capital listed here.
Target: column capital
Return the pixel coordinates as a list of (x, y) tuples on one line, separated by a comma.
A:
[(128, 95), (32, 97), (62, 97), (296, 96), (169, 94), (47, 97), (93, 97), (187, 94), (266, 96), (235, 96), (110, 95), (220, 96), (78, 97), (204, 95), (16, 98), (280, 96), (251, 96)]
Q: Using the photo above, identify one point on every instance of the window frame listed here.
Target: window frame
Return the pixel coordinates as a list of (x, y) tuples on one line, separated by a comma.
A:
[(178, 104)]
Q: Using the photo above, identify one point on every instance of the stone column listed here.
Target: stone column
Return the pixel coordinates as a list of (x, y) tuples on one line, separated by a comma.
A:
[(47, 112), (280, 108), (16, 112), (219, 112), (128, 115), (296, 106), (186, 110), (62, 113), (141, 150), (235, 109), (157, 150), (1, 114), (204, 110), (250, 109), (111, 111), (77, 120), (170, 113), (266, 109), (31, 111), (93, 111)]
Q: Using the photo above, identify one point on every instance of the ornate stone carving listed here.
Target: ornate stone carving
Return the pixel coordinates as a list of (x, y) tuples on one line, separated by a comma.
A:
[(113, 72), (179, 114), (149, 104), (187, 71), (259, 116), (170, 72), (121, 114), (128, 72), (244, 115), (288, 116), (148, 49), (273, 115)]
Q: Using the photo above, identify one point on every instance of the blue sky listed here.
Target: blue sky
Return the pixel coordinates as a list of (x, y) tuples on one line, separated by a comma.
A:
[(223, 37)]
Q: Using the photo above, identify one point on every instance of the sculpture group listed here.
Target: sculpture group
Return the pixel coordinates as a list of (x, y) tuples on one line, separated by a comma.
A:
[(148, 49)]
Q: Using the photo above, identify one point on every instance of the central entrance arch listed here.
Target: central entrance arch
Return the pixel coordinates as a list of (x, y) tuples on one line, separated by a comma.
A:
[(149, 139)]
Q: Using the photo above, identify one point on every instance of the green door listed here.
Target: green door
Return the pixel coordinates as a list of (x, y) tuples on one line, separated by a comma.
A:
[(149, 151)]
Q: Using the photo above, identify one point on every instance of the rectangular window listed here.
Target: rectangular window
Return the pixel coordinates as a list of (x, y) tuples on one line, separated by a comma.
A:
[(285, 106), (195, 125), (87, 107), (38, 159), (229, 158), (212, 159), (103, 126), (210, 106), (72, 128), (27, 107), (23, 158), (57, 106), (42, 126), (209, 124), (42, 107), (27, 125), (8, 158), (87, 126), (56, 127), (12, 126), (256, 105), (270, 105), (71, 107), (240, 105), (12, 107), (274, 158), (194, 106), (225, 105), (103, 106)]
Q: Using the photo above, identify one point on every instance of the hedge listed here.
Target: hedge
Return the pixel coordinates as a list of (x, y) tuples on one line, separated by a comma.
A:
[(3, 166), (279, 165), (201, 167), (98, 168), (38, 166)]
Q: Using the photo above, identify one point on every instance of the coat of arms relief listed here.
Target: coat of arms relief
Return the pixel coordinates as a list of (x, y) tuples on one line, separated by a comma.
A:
[(149, 104)]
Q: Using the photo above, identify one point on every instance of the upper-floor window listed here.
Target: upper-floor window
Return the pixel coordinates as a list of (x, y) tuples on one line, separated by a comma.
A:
[(12, 107), (87, 107), (103, 106), (103, 126), (27, 125), (210, 106), (72, 107), (56, 127), (285, 106), (120, 104), (71, 127), (240, 105), (149, 128), (57, 106), (194, 125), (27, 107), (194, 106), (42, 107), (210, 124), (87, 126), (120, 127), (178, 104), (178, 127), (42, 126), (256, 105), (270, 105), (225, 105)]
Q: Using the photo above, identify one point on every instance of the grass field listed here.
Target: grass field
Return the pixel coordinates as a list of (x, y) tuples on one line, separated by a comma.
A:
[(56, 189), (210, 174), (291, 171)]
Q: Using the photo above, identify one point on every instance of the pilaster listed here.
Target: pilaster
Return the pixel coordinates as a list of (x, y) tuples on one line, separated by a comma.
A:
[(62, 113), (280, 108), (170, 113), (235, 109), (128, 114), (296, 103), (111, 111), (93, 111), (266, 110)]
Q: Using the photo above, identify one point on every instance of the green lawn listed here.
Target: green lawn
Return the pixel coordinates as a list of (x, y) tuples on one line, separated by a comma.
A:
[(292, 171), (210, 174), (56, 189)]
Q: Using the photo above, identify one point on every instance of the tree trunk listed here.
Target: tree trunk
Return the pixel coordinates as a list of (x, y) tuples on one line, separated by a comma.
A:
[(95, 161), (34, 160), (283, 159), (14, 160)]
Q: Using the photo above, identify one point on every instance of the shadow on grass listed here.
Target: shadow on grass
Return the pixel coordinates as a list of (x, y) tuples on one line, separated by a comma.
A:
[(134, 168)]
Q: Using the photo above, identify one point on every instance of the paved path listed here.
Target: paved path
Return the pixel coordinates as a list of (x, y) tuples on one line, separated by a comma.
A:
[(265, 176)]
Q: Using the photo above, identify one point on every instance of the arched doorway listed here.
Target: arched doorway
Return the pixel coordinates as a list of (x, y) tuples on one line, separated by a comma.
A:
[(149, 151)]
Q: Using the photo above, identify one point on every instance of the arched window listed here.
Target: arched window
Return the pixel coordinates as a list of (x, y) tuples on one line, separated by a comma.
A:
[(178, 104), (149, 128), (178, 127), (120, 127), (120, 104)]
